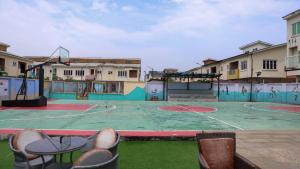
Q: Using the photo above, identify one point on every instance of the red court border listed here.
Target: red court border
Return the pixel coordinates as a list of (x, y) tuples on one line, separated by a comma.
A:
[(294, 109), (123, 133)]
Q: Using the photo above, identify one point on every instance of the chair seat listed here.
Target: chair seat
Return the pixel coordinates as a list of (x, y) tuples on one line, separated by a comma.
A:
[(35, 163), (60, 166)]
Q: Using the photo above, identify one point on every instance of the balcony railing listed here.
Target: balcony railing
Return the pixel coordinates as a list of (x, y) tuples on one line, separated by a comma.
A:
[(233, 74), (293, 62)]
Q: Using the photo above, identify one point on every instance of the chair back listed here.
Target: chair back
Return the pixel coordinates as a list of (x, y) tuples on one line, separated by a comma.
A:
[(218, 149), (22, 138), (106, 138), (97, 159)]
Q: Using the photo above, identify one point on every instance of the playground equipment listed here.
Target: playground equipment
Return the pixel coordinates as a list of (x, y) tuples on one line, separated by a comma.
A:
[(63, 58)]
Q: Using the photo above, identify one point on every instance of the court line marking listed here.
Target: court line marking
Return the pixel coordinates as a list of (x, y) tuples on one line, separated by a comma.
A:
[(202, 114), (251, 106), (64, 116)]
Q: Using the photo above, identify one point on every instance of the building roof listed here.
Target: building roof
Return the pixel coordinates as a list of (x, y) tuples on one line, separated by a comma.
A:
[(255, 43), (4, 44), (292, 14), (15, 56), (91, 60)]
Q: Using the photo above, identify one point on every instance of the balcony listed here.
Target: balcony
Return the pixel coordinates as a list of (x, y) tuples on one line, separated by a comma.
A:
[(233, 74), (293, 62)]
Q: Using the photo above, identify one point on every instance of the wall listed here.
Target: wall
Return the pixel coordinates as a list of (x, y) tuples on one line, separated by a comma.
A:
[(269, 92), (130, 86), (137, 94), (9, 87), (155, 90)]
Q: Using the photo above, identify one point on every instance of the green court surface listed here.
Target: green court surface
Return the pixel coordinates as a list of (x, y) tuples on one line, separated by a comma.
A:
[(143, 115)]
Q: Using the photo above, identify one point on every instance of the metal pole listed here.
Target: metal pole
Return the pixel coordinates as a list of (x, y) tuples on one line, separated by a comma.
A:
[(41, 81), (251, 78), (218, 87)]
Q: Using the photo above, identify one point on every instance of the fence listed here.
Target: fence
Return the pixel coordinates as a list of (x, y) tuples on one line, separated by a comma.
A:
[(269, 92)]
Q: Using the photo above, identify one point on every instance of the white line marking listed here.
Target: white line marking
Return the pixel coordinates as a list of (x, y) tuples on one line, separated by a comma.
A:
[(64, 116), (237, 127)]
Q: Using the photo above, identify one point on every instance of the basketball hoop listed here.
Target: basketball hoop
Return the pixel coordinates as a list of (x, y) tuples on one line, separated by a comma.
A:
[(63, 57)]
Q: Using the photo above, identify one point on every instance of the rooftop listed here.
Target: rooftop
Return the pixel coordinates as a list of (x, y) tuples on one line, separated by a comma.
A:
[(91, 60), (292, 14), (255, 43), (4, 44)]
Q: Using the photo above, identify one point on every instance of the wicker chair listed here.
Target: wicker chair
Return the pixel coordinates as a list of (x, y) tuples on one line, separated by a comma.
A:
[(22, 161), (91, 142), (111, 164), (92, 159), (218, 150)]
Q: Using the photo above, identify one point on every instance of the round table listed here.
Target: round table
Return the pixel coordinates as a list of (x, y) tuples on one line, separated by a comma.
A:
[(56, 146)]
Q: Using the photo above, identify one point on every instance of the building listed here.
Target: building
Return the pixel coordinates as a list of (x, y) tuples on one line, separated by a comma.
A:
[(293, 44), (158, 75), (11, 64), (267, 60), (98, 69)]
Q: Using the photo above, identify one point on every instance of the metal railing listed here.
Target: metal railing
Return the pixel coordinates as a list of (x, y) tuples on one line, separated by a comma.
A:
[(293, 62)]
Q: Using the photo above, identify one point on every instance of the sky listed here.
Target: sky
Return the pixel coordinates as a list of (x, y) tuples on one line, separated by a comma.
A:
[(163, 33)]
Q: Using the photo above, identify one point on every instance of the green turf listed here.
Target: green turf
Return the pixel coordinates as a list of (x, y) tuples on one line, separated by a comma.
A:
[(138, 155)]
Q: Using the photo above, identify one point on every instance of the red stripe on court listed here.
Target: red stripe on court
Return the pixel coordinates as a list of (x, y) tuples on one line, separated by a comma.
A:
[(78, 107), (123, 133), (294, 109)]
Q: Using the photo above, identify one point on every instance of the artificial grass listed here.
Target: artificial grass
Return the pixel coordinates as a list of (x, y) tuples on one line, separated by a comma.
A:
[(138, 155)]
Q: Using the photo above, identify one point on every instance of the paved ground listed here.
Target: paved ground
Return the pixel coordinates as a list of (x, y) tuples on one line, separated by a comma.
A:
[(270, 150)]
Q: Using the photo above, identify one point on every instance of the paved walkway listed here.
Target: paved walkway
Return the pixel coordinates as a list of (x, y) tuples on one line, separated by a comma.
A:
[(270, 149)]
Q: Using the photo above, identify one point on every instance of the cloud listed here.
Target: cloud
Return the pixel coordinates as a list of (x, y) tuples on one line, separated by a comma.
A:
[(100, 5), (183, 31), (127, 8)]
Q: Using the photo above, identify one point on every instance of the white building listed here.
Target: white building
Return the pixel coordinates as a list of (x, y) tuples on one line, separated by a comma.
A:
[(99, 69), (293, 44)]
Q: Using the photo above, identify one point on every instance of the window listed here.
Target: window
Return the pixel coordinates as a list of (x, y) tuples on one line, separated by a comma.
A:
[(68, 72), (270, 64), (92, 71), (79, 72), (255, 49), (213, 70), (296, 28), (99, 71), (14, 63), (22, 67), (133, 73), (122, 73), (244, 65), (109, 72), (2, 64)]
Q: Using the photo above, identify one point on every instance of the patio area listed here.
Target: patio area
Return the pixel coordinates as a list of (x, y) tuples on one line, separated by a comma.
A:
[(267, 149)]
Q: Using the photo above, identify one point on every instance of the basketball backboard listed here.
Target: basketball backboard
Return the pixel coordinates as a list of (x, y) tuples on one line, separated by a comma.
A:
[(63, 56)]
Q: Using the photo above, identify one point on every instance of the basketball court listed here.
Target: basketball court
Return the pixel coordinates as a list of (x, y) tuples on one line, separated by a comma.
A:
[(183, 117)]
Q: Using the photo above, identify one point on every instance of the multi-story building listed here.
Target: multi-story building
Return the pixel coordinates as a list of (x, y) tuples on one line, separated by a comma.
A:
[(267, 61), (11, 64), (293, 44), (99, 69)]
